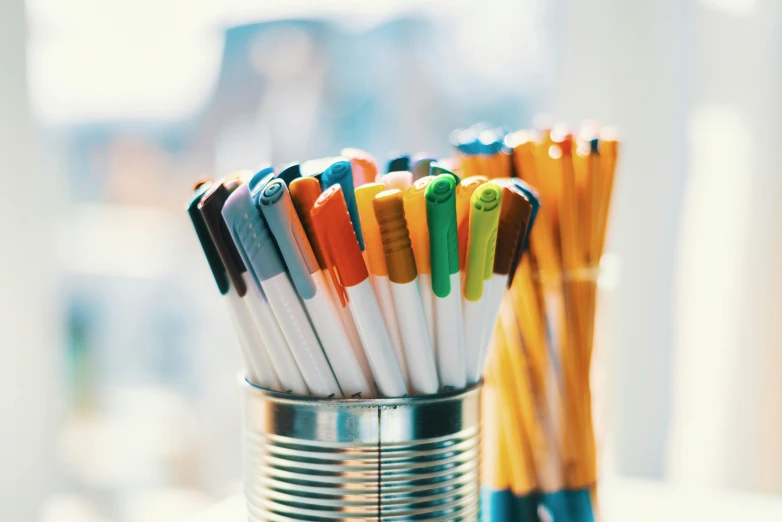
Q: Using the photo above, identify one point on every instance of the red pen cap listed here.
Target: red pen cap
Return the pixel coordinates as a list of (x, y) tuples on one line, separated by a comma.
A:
[(363, 165), (337, 239)]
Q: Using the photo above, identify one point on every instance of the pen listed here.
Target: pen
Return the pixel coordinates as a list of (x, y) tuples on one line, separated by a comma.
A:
[(378, 271), (446, 284), (261, 254), (340, 173), (239, 295), (515, 211), (401, 180), (315, 168), (421, 166), (276, 205), (390, 214), (340, 247), (363, 164), (484, 218), (289, 173), (246, 333), (435, 169), (534, 199), (415, 212), (304, 192), (398, 163), (281, 358), (464, 192)]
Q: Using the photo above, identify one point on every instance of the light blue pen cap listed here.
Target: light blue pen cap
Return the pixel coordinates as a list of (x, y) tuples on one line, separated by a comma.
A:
[(251, 233), (275, 203), (340, 173)]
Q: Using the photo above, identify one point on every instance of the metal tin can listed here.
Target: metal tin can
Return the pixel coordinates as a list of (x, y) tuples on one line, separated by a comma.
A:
[(319, 460)]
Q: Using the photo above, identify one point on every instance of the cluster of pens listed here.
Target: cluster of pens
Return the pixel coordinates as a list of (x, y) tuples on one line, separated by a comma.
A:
[(539, 460), (343, 282)]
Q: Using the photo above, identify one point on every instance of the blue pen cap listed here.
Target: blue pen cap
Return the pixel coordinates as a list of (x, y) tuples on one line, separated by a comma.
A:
[(276, 205), (289, 173), (340, 173), (399, 163), (252, 235)]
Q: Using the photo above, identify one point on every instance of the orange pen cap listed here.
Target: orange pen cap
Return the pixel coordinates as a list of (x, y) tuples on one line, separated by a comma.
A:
[(372, 240), (338, 241), (390, 214), (464, 191), (415, 211), (304, 192), (363, 165)]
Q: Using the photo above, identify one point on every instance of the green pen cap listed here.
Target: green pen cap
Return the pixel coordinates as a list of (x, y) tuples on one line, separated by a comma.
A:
[(443, 237), (484, 219)]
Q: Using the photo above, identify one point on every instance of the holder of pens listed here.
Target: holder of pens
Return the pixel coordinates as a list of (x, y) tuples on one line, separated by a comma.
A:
[(411, 458)]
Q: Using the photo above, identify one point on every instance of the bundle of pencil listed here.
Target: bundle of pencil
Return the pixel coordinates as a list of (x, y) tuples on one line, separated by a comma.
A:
[(538, 403)]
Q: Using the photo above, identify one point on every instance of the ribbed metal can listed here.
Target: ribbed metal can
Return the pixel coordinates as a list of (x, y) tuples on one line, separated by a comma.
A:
[(325, 460)]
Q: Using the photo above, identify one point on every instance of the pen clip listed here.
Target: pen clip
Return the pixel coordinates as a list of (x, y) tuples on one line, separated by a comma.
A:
[(275, 203)]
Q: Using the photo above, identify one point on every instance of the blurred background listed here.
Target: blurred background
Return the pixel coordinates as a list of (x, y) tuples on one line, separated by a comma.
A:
[(118, 385)]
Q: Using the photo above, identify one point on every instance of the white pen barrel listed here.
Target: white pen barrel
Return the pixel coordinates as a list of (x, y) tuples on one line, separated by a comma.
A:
[(415, 337), (347, 321), (473, 314), (298, 332), (377, 343), (382, 288), (427, 298), (448, 338), (280, 355), (256, 359), (494, 289), (325, 318)]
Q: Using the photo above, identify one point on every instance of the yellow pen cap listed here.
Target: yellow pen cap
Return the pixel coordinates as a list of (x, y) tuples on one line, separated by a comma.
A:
[(485, 206), (372, 241), (415, 211), (464, 192)]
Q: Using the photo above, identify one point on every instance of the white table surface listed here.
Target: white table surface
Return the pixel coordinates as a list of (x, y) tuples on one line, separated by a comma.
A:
[(622, 500)]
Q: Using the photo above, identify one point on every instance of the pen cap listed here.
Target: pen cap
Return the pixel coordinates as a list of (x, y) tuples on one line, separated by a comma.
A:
[(363, 164), (401, 180), (484, 217), (252, 235), (340, 173), (421, 166), (315, 168), (390, 214), (534, 199), (276, 206), (443, 239), (211, 206), (207, 244), (415, 213), (515, 211), (289, 173), (304, 192), (464, 192), (399, 163), (338, 240), (372, 240), (435, 169)]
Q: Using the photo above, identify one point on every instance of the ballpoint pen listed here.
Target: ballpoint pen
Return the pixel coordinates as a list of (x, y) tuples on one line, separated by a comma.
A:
[(276, 205), (281, 358), (400, 179), (251, 231), (340, 247), (304, 192), (340, 173), (515, 211), (446, 284), (464, 192), (400, 162), (378, 272), (484, 218), (363, 164), (415, 212), (390, 214), (240, 296), (289, 172), (246, 332)]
